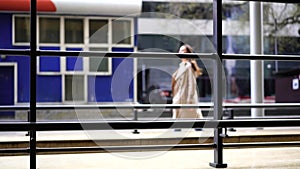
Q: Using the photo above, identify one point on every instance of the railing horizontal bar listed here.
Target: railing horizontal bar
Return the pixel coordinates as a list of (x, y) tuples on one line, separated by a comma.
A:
[(261, 57), (15, 52), (268, 117), (151, 106), (151, 55), (274, 1), (163, 124), (261, 105), (14, 151), (106, 106), (261, 144)]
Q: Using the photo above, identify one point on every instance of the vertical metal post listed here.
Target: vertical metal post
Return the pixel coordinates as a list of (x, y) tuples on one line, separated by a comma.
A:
[(256, 47), (33, 56), (217, 85), (135, 131)]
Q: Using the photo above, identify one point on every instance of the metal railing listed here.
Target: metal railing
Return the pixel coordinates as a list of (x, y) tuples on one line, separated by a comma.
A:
[(217, 123)]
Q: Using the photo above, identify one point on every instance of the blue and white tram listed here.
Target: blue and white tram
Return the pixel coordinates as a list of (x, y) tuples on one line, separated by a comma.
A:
[(69, 25)]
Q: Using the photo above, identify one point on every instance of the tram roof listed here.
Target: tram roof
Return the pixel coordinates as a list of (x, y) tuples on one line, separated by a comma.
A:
[(78, 7)]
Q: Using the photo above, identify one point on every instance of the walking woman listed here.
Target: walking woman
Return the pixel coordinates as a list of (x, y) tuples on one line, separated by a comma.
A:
[(184, 86)]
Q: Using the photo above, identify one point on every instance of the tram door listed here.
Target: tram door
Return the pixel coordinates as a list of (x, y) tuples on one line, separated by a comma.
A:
[(7, 90)]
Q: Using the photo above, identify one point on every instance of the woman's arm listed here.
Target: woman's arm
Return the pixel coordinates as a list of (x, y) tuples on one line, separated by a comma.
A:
[(196, 68)]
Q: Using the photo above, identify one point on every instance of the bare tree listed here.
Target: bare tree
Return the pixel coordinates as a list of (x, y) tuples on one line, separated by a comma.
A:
[(279, 16), (281, 22)]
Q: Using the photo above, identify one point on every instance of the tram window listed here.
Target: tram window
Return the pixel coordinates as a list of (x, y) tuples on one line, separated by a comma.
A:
[(74, 87), (121, 32), (98, 31), (99, 64), (49, 30), (22, 29), (74, 31)]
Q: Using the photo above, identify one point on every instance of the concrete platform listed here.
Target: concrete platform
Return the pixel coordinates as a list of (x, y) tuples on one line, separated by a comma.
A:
[(256, 158), (239, 158)]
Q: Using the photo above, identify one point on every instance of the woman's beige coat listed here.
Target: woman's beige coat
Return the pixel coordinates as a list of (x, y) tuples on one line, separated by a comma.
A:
[(185, 91)]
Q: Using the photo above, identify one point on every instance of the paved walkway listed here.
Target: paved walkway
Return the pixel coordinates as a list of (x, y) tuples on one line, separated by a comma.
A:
[(256, 158)]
